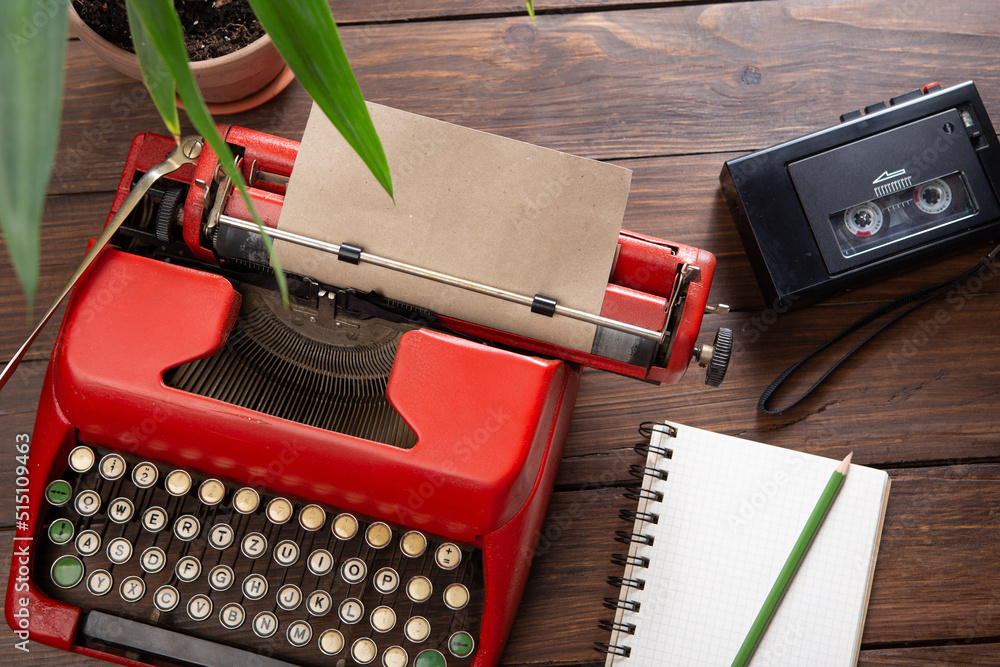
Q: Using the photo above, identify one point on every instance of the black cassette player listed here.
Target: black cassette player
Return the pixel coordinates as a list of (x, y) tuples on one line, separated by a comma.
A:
[(888, 186)]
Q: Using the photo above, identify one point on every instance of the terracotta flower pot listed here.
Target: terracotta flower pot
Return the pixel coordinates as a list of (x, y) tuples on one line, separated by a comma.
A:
[(235, 82)]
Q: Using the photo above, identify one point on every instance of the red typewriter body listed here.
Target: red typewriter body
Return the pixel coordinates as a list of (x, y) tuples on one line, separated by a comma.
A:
[(489, 412)]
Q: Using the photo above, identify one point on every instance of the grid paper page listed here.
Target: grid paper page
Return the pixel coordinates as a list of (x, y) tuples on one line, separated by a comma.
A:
[(732, 509)]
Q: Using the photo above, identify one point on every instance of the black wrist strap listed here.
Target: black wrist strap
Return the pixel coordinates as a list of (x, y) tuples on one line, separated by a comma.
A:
[(921, 296)]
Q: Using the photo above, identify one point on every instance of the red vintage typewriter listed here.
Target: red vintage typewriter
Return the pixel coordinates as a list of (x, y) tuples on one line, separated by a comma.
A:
[(346, 481)]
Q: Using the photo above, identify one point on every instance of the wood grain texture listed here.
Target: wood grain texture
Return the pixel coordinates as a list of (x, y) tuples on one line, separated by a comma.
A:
[(670, 90), (615, 84)]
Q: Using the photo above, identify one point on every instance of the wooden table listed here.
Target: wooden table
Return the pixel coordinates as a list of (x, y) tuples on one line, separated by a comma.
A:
[(669, 90)]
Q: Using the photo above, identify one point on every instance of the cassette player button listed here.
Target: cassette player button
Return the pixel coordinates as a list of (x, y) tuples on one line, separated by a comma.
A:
[(872, 108), (851, 115), (906, 97)]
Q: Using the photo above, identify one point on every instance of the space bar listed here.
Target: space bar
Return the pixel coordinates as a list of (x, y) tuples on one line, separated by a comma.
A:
[(169, 644)]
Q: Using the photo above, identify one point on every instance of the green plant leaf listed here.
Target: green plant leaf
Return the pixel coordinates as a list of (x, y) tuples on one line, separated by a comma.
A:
[(32, 59), (306, 36), (155, 73), (159, 18), (530, 4)]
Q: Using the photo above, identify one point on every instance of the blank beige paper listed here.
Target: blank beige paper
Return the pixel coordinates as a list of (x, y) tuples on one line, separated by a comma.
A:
[(489, 209)]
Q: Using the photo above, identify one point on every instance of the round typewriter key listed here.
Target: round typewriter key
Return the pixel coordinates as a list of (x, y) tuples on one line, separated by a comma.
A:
[(132, 589), (461, 644), (88, 543), (211, 492), (331, 642), (430, 658), (246, 501), (351, 611), (166, 598), (299, 633), (312, 517), (413, 544), (67, 571), (221, 577), (187, 569), (186, 528), (82, 458), (119, 550), (178, 483), (417, 629), (386, 580), (320, 562), (279, 511), (58, 493), (255, 587), (100, 582), (253, 545), (395, 656), (154, 519), (456, 596), (61, 531), (153, 559), (319, 603), (112, 467), (232, 616), (289, 597), (265, 624), (145, 475), (87, 503), (353, 570), (199, 607), (221, 536), (378, 535), (419, 589), (383, 619), (286, 553), (448, 556), (345, 526), (121, 510), (364, 651)]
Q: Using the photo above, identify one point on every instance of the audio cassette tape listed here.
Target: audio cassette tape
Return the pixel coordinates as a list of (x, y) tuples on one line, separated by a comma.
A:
[(889, 186)]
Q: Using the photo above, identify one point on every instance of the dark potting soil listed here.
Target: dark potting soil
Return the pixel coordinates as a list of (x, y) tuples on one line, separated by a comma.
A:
[(212, 28)]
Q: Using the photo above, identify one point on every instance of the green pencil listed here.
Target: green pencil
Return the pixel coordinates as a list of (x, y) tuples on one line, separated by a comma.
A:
[(792, 564)]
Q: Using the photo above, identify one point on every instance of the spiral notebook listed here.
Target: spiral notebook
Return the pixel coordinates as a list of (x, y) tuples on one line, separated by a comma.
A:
[(717, 517)]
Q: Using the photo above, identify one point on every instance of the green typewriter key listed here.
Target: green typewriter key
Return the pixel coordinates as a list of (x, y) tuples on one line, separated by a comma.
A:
[(61, 531), (67, 571), (58, 493), (430, 658), (461, 644)]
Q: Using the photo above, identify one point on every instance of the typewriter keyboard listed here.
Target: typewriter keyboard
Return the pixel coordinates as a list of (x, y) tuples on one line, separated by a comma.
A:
[(168, 563)]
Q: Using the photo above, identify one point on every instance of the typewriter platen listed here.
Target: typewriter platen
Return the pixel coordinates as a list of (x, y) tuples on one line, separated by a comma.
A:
[(229, 481)]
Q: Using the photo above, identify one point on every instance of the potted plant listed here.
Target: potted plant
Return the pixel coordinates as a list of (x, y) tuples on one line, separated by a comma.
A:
[(237, 67), (32, 59)]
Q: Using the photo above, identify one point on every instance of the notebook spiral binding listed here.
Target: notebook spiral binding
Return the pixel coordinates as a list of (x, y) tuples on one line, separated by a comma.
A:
[(629, 537)]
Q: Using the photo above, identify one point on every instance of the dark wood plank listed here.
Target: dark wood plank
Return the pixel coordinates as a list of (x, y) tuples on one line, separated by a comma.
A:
[(905, 397), (660, 81), (957, 653), (347, 12)]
